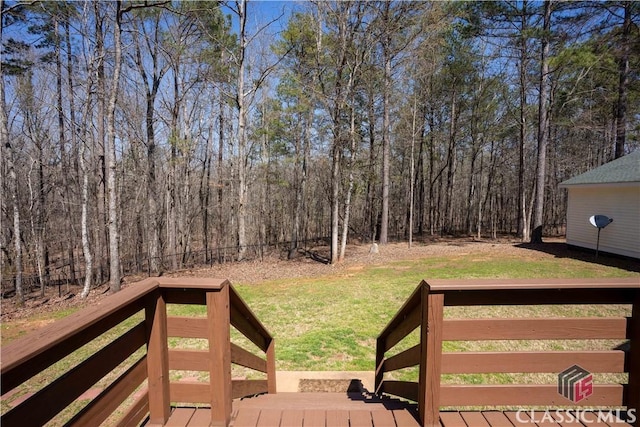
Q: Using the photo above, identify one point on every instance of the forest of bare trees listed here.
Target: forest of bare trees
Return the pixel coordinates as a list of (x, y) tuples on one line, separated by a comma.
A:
[(161, 133)]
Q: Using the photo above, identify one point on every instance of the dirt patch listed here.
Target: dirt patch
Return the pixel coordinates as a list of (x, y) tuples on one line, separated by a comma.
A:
[(53, 300), (357, 258)]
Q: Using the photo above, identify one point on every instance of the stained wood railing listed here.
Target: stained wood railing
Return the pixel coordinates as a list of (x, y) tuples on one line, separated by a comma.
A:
[(145, 305), (425, 309)]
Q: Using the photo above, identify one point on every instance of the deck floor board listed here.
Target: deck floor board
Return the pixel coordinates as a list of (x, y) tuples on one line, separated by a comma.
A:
[(269, 418), (200, 418), (180, 417), (292, 418), (315, 418), (337, 418)]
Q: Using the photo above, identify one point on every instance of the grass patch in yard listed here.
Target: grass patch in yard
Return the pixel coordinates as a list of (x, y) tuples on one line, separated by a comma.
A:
[(331, 322)]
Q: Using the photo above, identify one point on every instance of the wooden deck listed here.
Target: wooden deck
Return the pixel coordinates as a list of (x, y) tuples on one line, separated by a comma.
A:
[(353, 410)]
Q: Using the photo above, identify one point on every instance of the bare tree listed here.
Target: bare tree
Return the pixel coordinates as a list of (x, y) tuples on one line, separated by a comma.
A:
[(110, 154), (342, 62), (244, 97), (353, 137), (623, 85), (241, 134), (86, 136), (35, 177), (86, 245), (152, 80), (543, 127), (8, 155), (386, 143)]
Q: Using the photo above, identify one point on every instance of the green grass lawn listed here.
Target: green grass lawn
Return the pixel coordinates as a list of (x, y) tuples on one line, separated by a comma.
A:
[(331, 322)]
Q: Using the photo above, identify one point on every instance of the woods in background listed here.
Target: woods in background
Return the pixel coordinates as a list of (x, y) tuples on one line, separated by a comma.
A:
[(153, 130)]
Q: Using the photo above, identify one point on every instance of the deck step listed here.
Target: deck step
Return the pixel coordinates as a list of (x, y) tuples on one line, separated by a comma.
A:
[(322, 409)]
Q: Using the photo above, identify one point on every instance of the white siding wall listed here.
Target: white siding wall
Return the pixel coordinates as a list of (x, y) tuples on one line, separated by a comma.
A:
[(622, 204)]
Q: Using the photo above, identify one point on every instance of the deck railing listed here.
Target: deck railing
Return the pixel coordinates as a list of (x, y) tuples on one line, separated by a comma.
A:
[(143, 305), (425, 309)]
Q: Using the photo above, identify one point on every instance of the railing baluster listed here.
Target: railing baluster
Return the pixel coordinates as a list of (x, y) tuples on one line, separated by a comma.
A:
[(157, 359), (379, 373), (219, 319), (634, 359), (271, 366), (431, 356)]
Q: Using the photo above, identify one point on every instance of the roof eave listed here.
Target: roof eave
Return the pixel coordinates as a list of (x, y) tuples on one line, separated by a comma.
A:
[(599, 184)]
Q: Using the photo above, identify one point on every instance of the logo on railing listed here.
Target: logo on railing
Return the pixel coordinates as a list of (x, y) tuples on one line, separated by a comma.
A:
[(575, 383)]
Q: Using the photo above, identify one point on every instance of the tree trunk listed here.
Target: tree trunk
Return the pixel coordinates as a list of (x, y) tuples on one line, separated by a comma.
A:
[(412, 171), (372, 175), (220, 228), (184, 197), (297, 177), (265, 157), (205, 195), (86, 246), (74, 136), (543, 128), (13, 182), (64, 158), (347, 202), (386, 143), (36, 209), (419, 180), (471, 189), (335, 194), (8, 155), (451, 162), (151, 85), (523, 229), (172, 187), (432, 177), (623, 73), (479, 201), (102, 232), (305, 174), (242, 136), (110, 154)]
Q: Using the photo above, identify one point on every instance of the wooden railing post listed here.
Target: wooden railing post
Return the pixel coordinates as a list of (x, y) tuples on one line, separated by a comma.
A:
[(633, 395), (431, 357), (271, 367), (379, 373), (219, 320), (157, 359)]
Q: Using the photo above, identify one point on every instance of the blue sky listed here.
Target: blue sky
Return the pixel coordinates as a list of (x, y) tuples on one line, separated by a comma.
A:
[(261, 12)]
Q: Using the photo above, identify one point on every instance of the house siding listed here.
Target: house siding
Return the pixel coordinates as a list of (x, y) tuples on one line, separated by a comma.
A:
[(622, 236)]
